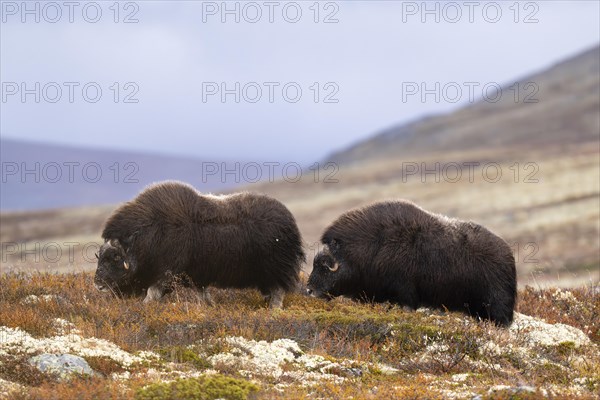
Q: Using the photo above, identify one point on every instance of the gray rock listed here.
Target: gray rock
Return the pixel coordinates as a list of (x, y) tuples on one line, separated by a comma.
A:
[(526, 389), (61, 365), (353, 372)]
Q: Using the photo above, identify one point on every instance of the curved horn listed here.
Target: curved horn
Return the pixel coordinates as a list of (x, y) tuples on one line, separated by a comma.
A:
[(335, 267), (125, 265)]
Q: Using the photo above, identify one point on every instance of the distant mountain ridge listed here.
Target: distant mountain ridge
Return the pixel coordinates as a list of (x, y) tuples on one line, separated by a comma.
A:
[(42, 176), (567, 111)]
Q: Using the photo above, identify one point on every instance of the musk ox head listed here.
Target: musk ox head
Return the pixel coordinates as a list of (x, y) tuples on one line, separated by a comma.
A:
[(328, 276), (114, 269)]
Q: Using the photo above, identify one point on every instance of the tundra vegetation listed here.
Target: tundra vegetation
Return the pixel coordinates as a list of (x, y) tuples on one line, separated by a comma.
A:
[(239, 349)]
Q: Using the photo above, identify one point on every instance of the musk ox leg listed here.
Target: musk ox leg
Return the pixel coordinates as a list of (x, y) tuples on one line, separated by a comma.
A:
[(500, 314), (406, 296), (204, 296), (276, 298), (154, 292)]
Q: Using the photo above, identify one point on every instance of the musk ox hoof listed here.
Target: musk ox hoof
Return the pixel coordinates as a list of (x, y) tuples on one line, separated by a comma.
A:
[(101, 288), (154, 293)]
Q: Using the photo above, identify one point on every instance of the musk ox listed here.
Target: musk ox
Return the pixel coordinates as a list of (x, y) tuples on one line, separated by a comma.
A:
[(396, 251), (241, 240)]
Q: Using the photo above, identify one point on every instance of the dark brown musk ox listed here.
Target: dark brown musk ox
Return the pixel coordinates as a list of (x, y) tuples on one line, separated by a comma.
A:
[(395, 251), (242, 240)]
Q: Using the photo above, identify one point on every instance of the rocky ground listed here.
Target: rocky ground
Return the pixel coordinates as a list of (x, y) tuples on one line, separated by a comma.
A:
[(59, 338)]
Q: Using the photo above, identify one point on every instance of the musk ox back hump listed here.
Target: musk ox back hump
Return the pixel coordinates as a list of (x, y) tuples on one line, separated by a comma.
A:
[(168, 203), (396, 251)]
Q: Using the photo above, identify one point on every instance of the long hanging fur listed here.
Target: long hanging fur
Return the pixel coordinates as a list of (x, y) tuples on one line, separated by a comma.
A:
[(241, 240), (396, 251)]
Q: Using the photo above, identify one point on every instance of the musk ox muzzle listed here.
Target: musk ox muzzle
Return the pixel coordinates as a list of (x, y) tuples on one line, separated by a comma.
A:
[(323, 280), (113, 270)]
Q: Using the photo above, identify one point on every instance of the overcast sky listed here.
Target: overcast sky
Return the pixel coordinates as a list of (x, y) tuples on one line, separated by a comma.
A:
[(176, 59)]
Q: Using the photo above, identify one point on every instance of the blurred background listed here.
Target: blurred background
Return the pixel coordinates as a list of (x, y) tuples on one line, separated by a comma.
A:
[(488, 111)]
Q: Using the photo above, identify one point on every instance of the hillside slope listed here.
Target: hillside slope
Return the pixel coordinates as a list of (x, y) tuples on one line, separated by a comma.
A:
[(528, 171), (40, 175), (564, 110)]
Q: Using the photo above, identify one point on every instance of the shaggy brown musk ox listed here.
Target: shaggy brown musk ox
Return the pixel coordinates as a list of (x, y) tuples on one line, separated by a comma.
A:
[(396, 251), (242, 240)]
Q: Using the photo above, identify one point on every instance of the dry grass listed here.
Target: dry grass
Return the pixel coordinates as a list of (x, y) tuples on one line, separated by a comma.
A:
[(578, 307), (428, 348)]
